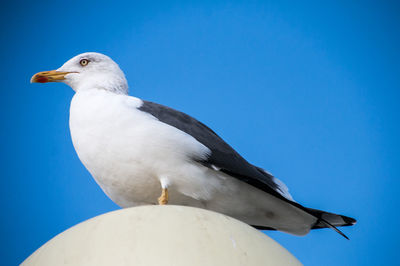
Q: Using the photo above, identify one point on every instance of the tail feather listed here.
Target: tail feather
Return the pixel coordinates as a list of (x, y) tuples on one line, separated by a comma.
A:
[(334, 228), (330, 220), (324, 220)]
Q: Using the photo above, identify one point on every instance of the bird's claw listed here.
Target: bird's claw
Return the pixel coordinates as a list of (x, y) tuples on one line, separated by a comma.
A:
[(163, 199)]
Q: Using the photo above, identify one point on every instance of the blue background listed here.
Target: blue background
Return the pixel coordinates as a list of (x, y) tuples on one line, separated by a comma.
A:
[(308, 90)]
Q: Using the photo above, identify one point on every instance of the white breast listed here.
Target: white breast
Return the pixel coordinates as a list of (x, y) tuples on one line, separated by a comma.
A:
[(126, 150)]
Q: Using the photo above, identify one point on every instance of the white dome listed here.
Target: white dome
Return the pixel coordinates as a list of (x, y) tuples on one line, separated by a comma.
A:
[(162, 235)]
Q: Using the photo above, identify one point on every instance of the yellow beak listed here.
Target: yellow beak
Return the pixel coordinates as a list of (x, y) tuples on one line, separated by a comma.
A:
[(49, 76)]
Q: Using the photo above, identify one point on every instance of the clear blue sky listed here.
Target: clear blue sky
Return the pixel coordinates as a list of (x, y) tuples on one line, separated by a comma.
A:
[(308, 90)]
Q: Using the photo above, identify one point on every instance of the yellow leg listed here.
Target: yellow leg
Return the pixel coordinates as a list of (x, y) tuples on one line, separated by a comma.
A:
[(163, 199)]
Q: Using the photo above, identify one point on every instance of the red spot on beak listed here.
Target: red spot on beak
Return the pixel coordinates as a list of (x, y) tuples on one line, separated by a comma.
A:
[(41, 79)]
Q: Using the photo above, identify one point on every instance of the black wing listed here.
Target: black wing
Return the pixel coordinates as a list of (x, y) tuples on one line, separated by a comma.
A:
[(229, 161), (222, 155)]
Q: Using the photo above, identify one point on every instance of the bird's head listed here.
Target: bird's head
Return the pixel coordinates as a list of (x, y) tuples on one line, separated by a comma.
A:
[(87, 71)]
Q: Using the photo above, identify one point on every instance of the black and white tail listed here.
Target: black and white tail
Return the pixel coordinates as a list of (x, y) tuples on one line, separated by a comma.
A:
[(330, 220), (324, 219)]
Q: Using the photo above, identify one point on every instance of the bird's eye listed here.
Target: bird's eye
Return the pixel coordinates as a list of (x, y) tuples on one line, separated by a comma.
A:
[(84, 62)]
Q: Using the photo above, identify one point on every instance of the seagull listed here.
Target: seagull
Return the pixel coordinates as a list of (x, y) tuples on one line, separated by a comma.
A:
[(144, 153)]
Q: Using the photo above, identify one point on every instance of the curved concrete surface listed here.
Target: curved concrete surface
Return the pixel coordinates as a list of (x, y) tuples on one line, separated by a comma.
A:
[(161, 235)]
